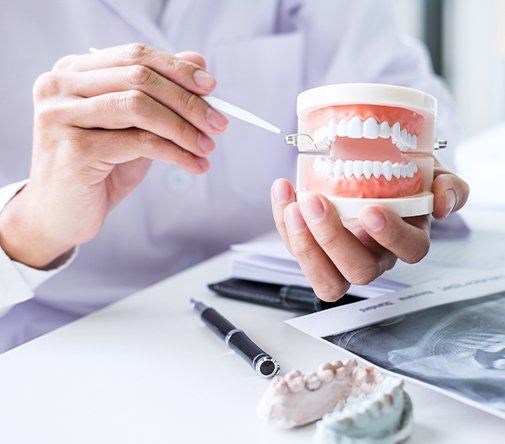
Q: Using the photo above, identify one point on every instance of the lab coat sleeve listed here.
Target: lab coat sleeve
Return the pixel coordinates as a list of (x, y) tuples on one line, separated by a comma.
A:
[(18, 281), (359, 41)]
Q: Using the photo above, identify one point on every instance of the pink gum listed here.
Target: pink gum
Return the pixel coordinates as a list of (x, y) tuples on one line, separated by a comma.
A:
[(364, 188), (409, 120)]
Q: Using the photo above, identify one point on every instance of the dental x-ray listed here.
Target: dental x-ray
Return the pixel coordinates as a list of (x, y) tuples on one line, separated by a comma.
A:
[(458, 347)]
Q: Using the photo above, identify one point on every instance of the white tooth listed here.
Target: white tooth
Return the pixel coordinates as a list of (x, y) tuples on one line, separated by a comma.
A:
[(370, 128), (326, 375), (332, 129), (342, 128), (367, 169), (295, 384), (348, 169), (338, 168), (377, 169), (293, 374), (403, 170), (318, 135), (384, 130), (403, 136), (410, 139), (358, 168), (325, 167), (395, 132), (397, 170), (281, 386), (414, 142), (355, 128), (387, 169), (312, 381), (415, 167), (408, 170)]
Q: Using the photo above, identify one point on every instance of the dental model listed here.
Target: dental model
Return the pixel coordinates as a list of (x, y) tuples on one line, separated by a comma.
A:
[(356, 401), (371, 143), (383, 418)]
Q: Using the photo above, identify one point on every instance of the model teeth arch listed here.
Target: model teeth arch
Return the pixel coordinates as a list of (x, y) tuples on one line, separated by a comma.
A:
[(353, 401)]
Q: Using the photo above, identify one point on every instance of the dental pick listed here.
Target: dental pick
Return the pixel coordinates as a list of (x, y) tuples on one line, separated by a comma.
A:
[(241, 114), (248, 117)]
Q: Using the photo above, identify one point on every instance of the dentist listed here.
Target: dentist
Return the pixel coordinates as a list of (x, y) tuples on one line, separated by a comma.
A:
[(98, 121)]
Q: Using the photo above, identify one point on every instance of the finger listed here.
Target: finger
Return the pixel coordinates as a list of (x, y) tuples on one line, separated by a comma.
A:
[(136, 109), (450, 192), (193, 57), (281, 195), (186, 74), (137, 77), (121, 146), (408, 239), (386, 258), (327, 282), (357, 263)]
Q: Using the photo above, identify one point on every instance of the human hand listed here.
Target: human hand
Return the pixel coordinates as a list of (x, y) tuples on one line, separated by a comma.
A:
[(100, 119), (335, 253)]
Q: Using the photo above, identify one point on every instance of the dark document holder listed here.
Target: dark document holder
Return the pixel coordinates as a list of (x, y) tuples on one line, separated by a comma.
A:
[(286, 297)]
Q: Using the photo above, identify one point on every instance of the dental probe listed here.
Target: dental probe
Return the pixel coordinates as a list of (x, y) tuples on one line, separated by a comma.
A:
[(248, 117), (241, 114), (262, 363)]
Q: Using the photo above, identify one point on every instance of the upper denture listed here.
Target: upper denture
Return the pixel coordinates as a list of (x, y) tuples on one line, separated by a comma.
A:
[(369, 122)]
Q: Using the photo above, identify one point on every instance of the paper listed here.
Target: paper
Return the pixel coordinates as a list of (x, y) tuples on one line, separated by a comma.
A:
[(448, 334), (271, 262)]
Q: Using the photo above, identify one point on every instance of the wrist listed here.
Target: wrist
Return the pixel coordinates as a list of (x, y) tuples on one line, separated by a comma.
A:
[(23, 235)]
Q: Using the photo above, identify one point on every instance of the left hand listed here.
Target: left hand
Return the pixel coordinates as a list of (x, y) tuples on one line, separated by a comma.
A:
[(335, 253)]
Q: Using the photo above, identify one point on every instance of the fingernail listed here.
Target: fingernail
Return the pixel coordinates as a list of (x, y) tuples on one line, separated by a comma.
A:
[(216, 119), (203, 79), (281, 192), (372, 219), (312, 207), (205, 143), (450, 201), (294, 220)]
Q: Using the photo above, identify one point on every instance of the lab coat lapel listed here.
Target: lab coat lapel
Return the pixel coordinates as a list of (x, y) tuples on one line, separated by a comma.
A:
[(136, 15)]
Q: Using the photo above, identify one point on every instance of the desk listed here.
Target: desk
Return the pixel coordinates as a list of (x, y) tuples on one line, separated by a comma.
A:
[(145, 370)]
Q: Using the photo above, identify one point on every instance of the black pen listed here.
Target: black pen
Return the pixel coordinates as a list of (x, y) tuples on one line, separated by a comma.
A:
[(262, 363)]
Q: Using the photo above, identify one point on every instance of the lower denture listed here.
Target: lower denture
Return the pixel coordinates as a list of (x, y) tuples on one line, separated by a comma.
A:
[(363, 187)]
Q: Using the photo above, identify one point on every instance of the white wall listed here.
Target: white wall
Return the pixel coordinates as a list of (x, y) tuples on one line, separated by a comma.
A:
[(474, 56), (409, 14), (475, 60)]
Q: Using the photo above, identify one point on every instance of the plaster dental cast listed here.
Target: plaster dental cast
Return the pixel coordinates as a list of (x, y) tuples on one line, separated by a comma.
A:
[(358, 405), (130, 176)]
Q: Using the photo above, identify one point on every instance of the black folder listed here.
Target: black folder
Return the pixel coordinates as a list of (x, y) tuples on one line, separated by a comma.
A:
[(286, 297)]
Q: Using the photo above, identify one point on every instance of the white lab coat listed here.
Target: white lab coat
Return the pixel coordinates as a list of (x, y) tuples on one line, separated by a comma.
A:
[(262, 53)]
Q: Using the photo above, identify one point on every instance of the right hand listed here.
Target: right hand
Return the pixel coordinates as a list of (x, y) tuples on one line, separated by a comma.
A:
[(100, 119)]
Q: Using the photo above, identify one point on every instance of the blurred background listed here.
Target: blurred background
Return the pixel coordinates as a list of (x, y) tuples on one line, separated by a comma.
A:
[(466, 41)]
